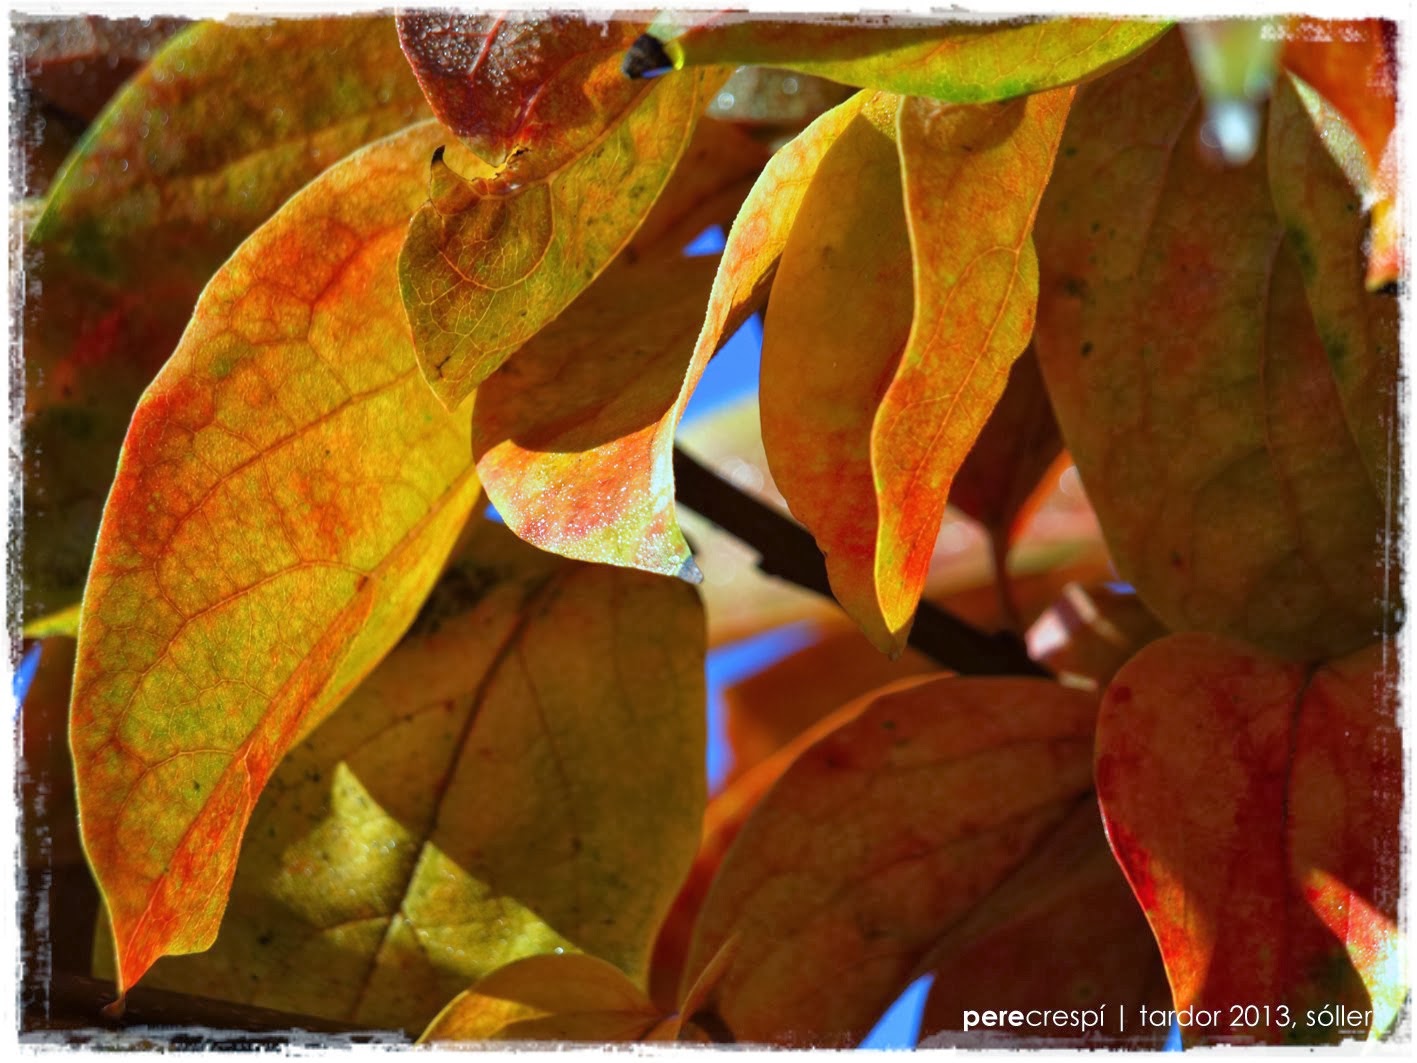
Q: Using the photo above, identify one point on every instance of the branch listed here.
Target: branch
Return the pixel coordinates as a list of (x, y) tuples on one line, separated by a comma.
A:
[(788, 551)]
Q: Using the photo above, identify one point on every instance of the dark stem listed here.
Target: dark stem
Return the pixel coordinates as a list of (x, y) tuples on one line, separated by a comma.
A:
[(789, 552)]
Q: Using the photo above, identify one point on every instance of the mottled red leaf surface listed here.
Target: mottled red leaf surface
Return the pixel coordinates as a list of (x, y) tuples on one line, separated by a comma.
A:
[(1353, 65), (876, 840), (976, 288), (1191, 384), (1061, 934), (194, 153), (1324, 226), (548, 998), (478, 799), (76, 63), (953, 61), (891, 328), (574, 434), (498, 251), (1275, 880), (257, 555), (526, 94)]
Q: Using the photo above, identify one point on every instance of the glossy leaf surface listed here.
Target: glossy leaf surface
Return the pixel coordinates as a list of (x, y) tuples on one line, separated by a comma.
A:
[(257, 556), (574, 435), (548, 998), (1276, 879), (878, 838), (479, 798), (943, 60), (496, 254), (190, 156), (1190, 382)]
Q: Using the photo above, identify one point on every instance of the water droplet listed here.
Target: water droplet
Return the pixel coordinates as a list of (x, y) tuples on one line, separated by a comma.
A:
[(724, 101)]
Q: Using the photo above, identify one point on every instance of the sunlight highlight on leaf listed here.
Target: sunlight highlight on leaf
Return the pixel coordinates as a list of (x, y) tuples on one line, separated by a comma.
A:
[(1277, 879), (478, 799)]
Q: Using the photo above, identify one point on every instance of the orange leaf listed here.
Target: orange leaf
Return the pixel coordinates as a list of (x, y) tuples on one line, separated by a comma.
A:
[(479, 798), (1353, 65), (496, 254), (548, 998), (1190, 383), (204, 144), (1061, 935), (976, 286), (1254, 806), (257, 555), (944, 60), (574, 435), (767, 710), (871, 400), (879, 837)]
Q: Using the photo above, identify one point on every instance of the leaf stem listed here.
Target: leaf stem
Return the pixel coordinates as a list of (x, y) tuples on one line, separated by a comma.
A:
[(788, 551)]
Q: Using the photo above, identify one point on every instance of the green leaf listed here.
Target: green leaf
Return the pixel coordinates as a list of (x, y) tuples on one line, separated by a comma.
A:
[(284, 500), (952, 61)]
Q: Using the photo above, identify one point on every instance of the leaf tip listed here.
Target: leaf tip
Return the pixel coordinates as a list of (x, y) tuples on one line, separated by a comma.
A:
[(115, 1009), (646, 58), (690, 572)]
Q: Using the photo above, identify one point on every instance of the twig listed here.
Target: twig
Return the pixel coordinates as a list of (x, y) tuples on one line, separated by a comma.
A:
[(789, 552)]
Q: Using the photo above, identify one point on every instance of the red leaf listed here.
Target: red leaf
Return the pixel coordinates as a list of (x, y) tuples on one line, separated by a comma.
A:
[(1253, 805)]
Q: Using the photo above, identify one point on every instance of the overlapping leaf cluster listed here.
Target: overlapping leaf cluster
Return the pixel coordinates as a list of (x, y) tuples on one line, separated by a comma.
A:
[(344, 747)]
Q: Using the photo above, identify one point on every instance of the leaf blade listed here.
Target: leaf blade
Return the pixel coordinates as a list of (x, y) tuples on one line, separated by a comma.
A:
[(220, 464)]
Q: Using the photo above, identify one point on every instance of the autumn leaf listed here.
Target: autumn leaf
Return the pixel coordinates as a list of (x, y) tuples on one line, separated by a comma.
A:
[(1276, 879), (451, 818), (1324, 227), (498, 252), (257, 557), (1061, 934), (878, 838), (766, 710), (183, 164), (1190, 382), (953, 61), (574, 435), (548, 998), (976, 286), (1353, 65), (871, 397)]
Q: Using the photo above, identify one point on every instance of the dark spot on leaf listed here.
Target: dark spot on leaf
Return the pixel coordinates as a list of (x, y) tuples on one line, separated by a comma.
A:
[(1177, 561), (265, 939), (1121, 694), (1075, 287), (1086, 348), (646, 58)]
